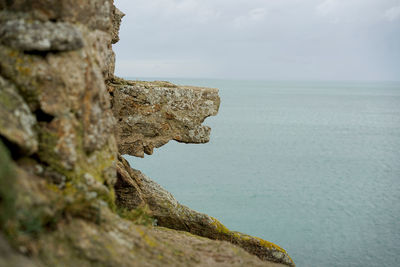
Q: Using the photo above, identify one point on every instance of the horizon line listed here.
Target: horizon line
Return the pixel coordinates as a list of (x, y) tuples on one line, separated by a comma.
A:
[(256, 79)]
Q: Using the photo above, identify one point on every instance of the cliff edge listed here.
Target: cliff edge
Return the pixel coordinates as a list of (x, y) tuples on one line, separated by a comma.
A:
[(67, 196)]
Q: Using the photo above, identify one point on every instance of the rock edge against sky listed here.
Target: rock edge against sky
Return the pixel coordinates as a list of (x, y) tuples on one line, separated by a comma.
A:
[(67, 196)]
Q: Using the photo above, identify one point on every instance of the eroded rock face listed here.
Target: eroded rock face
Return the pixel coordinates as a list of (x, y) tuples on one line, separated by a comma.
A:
[(150, 114), (122, 243), (55, 107), (134, 189), (94, 14), (40, 36), (64, 84), (73, 227), (117, 17), (61, 200), (16, 120)]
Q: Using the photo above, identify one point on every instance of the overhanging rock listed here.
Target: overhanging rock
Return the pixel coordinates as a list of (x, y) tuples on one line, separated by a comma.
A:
[(150, 114)]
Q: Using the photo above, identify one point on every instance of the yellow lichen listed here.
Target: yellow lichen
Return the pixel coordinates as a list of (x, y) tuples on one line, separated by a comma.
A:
[(269, 245), (149, 240), (220, 227)]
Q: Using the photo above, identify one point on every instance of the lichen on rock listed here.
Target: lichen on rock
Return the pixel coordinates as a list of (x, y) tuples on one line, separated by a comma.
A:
[(29, 35), (16, 120), (150, 114), (134, 189), (67, 196)]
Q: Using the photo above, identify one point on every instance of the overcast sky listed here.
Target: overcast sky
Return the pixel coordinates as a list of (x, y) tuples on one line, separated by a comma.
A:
[(260, 39)]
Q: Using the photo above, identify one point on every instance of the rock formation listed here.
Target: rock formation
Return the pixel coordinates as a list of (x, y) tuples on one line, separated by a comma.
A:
[(67, 196), (150, 114), (134, 189)]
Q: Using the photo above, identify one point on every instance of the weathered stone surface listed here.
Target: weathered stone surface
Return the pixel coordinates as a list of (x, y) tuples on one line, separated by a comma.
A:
[(95, 14), (58, 198), (150, 114), (117, 17), (67, 93), (120, 243), (70, 83), (7, 187), (75, 124), (134, 189), (40, 36), (71, 227), (16, 120), (11, 258)]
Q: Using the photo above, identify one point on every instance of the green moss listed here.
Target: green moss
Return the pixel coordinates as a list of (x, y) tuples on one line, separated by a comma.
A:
[(18, 67), (77, 189), (109, 198), (220, 227), (7, 189), (8, 100), (243, 239), (36, 220), (83, 208), (141, 215), (269, 245), (105, 159), (47, 143), (24, 218), (146, 238)]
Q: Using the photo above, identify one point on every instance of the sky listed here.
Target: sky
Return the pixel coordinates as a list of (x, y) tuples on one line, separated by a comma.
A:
[(260, 39)]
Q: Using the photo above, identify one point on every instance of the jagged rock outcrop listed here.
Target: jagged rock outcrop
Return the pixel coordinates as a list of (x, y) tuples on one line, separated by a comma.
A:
[(16, 120), (48, 226), (134, 189), (64, 120), (150, 114)]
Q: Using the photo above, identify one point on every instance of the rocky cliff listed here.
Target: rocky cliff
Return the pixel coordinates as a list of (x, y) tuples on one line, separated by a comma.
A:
[(67, 196)]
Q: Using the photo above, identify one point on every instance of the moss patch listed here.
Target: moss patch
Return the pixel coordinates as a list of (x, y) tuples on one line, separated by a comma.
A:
[(220, 227), (7, 188), (141, 215)]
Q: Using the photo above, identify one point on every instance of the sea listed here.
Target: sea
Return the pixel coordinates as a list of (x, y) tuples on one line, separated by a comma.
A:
[(311, 166)]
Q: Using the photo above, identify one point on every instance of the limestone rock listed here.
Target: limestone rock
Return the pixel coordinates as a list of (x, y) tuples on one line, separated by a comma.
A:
[(95, 14), (11, 258), (59, 104), (68, 228), (117, 242), (16, 120), (66, 91), (40, 36), (117, 17), (135, 189), (150, 114)]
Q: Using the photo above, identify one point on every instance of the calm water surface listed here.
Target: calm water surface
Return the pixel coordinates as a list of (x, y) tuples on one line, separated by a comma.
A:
[(313, 167)]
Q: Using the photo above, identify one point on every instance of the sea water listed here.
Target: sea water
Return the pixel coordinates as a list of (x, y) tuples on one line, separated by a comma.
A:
[(311, 166)]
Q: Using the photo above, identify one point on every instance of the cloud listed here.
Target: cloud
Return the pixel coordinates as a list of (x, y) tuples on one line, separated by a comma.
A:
[(199, 11), (257, 14), (393, 13), (266, 39), (326, 8), (250, 18), (352, 11)]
